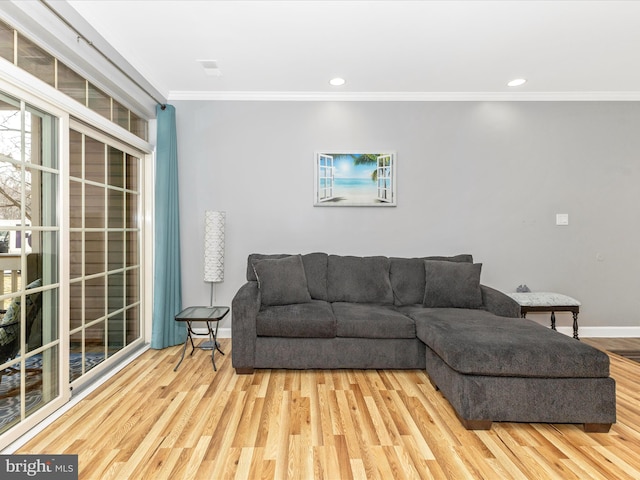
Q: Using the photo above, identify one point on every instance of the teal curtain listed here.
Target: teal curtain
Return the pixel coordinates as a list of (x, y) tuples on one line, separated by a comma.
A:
[(167, 290)]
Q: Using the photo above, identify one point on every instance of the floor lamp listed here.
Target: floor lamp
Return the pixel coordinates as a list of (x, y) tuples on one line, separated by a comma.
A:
[(213, 249), (213, 254)]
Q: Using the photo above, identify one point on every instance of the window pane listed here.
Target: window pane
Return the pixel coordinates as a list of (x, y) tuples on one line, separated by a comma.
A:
[(75, 202), (94, 206), (116, 291), (132, 210), (6, 42), (99, 102), (116, 209), (72, 84), (94, 299), (40, 138), (75, 356), (42, 261), (116, 168), (132, 173), (45, 327), (94, 345), (35, 60), (132, 249), (120, 115), (138, 126), (11, 185), (41, 197), (116, 250), (10, 172), (75, 305), (133, 324), (133, 286), (75, 154), (75, 257), (94, 252), (116, 333), (94, 160)]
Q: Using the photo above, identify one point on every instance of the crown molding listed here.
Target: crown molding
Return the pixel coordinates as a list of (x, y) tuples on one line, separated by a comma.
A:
[(633, 96)]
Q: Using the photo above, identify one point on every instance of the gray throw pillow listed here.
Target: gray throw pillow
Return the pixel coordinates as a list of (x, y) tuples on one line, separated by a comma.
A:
[(282, 281), (452, 284)]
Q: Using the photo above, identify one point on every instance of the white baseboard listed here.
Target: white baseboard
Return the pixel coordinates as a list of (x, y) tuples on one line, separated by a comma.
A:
[(602, 332)]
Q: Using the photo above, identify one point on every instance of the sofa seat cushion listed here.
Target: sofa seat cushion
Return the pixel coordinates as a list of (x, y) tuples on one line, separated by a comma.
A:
[(313, 320), (480, 343), (371, 321)]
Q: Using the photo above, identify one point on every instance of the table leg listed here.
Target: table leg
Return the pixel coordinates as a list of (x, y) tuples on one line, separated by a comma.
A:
[(189, 337), (553, 320), (215, 345), (575, 326), (212, 339), (215, 337), (184, 348)]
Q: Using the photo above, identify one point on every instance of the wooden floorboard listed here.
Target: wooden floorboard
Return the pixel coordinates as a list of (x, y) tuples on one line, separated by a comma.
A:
[(151, 422)]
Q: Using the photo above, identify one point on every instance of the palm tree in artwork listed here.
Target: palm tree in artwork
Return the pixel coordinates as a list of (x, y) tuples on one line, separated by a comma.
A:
[(366, 159)]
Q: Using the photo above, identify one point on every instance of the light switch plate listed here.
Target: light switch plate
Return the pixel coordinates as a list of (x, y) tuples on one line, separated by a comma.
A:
[(562, 219)]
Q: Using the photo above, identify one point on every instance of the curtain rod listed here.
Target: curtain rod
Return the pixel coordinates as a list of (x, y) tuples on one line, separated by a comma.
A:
[(80, 36)]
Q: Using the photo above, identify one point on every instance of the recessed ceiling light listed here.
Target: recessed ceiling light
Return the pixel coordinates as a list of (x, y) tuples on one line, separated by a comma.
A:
[(517, 82), (336, 82)]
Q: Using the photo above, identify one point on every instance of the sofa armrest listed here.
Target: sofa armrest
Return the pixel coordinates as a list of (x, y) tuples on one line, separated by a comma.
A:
[(498, 303), (244, 309)]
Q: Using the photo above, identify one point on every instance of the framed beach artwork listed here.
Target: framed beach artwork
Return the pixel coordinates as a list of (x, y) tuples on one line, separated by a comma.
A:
[(355, 179)]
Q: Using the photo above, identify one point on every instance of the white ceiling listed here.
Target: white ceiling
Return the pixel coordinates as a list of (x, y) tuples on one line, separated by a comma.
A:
[(384, 49)]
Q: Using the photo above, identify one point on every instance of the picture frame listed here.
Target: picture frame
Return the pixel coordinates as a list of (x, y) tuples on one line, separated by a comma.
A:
[(355, 179)]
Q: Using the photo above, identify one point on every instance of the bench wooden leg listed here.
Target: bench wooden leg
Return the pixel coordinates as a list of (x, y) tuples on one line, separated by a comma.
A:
[(597, 427), (244, 371)]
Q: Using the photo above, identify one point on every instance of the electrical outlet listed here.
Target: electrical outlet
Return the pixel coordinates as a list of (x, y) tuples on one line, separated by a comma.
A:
[(562, 219)]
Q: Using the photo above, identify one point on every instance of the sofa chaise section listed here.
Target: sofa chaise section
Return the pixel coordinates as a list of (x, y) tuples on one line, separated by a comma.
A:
[(494, 368)]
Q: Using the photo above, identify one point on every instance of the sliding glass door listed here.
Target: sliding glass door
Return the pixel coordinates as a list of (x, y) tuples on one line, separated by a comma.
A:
[(29, 254), (71, 258), (105, 237)]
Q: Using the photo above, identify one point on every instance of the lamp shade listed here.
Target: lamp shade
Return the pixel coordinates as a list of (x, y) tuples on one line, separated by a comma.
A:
[(214, 246)]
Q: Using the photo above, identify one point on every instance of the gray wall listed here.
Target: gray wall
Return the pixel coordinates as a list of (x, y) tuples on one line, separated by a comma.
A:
[(485, 178)]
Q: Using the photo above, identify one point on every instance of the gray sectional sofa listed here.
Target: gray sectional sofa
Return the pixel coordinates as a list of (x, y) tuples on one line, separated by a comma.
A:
[(320, 311)]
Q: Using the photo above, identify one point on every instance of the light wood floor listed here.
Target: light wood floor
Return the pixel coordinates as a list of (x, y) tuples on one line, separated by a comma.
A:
[(151, 423)]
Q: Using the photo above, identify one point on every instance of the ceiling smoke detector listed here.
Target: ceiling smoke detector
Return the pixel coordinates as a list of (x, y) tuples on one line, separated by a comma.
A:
[(210, 67)]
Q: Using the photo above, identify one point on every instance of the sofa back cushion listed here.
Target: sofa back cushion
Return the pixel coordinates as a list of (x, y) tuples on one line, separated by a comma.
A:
[(315, 269), (407, 277), (359, 280), (452, 285)]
